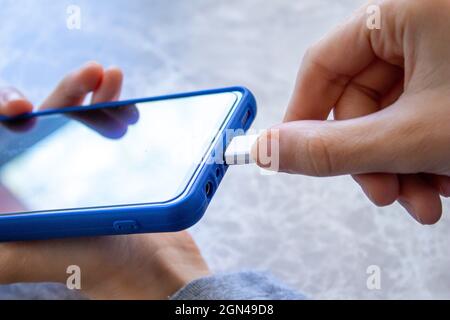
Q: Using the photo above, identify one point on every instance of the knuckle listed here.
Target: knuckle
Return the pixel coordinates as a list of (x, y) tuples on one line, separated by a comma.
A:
[(318, 155), (316, 60), (418, 10), (309, 53)]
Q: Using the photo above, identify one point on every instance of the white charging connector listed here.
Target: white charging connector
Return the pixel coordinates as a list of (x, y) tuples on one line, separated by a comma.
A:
[(239, 149)]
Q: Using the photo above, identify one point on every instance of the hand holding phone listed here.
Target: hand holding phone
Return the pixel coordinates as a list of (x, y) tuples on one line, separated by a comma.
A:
[(125, 257)]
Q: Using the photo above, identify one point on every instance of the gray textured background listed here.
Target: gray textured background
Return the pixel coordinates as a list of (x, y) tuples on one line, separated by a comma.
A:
[(319, 235)]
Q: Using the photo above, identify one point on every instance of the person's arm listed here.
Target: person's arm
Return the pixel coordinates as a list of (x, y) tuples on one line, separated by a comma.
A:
[(153, 266), (246, 285), (389, 90)]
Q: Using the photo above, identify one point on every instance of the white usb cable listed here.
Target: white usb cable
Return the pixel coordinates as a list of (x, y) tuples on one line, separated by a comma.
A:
[(238, 151)]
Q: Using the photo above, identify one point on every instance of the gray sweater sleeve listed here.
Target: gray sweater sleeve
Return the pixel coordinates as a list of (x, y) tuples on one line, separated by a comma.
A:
[(237, 286)]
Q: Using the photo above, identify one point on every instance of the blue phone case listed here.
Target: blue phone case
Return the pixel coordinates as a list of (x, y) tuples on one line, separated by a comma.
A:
[(175, 215)]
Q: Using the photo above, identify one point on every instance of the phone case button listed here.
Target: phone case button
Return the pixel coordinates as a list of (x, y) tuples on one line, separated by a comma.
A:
[(126, 226)]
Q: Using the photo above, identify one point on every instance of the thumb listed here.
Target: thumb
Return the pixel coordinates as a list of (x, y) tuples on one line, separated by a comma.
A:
[(375, 143)]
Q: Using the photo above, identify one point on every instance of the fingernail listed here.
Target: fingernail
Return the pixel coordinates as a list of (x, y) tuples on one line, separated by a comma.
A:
[(91, 63), (9, 95), (410, 210)]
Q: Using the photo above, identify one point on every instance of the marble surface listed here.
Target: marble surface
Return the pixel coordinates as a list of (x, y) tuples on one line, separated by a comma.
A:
[(319, 235)]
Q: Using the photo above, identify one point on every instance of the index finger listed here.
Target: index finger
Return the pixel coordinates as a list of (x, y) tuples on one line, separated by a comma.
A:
[(329, 65)]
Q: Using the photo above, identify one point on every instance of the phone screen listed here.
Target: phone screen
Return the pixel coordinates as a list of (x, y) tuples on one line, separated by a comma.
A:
[(142, 153)]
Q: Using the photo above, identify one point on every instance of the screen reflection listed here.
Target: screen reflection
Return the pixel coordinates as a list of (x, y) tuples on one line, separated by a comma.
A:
[(142, 153)]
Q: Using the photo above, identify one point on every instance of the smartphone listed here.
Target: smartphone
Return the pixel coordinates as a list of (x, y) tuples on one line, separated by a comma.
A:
[(137, 166)]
